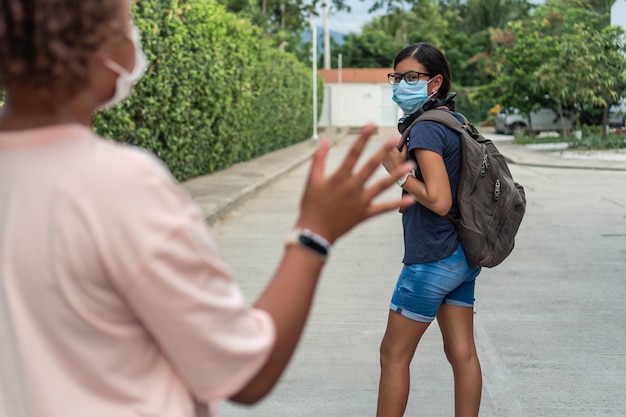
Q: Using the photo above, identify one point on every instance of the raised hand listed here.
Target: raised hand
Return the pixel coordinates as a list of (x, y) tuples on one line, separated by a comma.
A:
[(334, 204)]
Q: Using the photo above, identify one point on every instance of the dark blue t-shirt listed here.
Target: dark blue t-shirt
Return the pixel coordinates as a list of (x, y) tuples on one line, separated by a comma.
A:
[(428, 236)]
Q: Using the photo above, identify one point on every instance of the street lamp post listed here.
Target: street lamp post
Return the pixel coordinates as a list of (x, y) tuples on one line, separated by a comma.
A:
[(314, 53), (338, 100)]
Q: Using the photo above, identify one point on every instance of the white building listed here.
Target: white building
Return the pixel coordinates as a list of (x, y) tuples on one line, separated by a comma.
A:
[(354, 97), (618, 13)]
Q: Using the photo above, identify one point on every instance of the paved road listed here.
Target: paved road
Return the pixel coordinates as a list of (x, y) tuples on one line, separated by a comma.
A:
[(549, 321)]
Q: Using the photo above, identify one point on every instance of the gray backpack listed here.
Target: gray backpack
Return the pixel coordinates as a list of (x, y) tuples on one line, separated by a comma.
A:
[(491, 203)]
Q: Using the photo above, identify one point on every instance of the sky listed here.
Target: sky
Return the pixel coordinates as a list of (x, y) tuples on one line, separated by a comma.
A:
[(345, 22)]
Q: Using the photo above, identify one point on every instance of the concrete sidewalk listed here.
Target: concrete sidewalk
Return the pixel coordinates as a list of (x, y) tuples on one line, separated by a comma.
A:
[(220, 192)]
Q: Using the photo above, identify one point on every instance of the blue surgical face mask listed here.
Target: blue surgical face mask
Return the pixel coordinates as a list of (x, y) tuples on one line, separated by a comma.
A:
[(410, 97)]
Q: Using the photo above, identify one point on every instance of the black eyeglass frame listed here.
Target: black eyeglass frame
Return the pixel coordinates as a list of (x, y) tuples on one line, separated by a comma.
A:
[(391, 77)]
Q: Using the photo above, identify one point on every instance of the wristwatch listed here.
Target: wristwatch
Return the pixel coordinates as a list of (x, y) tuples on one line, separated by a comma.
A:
[(309, 240), (406, 176)]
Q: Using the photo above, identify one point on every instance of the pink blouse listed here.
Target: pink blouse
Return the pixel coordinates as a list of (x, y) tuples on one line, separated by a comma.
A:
[(113, 300)]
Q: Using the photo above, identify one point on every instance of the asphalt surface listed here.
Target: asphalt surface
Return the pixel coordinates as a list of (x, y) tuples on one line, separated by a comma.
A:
[(549, 321)]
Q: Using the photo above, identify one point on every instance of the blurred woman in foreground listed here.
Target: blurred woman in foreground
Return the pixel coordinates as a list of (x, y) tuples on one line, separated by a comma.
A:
[(113, 301)]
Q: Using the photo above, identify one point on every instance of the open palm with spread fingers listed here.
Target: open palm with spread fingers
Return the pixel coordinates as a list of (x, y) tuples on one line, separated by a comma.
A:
[(334, 204)]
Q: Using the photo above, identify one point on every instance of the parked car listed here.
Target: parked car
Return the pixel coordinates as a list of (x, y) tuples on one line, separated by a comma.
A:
[(616, 115), (512, 121)]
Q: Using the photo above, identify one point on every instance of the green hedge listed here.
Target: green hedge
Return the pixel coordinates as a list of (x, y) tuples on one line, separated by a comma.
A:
[(217, 91)]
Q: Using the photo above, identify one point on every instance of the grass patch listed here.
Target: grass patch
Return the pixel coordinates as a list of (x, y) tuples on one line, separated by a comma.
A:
[(590, 140), (593, 142), (528, 140)]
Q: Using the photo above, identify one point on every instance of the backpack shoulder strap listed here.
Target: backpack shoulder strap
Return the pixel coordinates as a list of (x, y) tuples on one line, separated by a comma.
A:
[(443, 117), (439, 116), (449, 120)]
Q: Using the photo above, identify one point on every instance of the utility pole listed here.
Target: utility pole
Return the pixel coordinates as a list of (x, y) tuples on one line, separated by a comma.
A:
[(314, 53), (326, 36), (338, 100), (282, 15)]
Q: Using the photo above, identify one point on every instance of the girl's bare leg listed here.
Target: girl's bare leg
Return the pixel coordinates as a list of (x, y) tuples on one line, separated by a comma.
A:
[(457, 328), (396, 351)]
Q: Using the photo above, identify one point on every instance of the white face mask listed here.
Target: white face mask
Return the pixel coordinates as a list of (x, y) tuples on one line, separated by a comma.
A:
[(126, 80)]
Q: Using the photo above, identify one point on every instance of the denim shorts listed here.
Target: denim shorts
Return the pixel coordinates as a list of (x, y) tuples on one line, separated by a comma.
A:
[(422, 288)]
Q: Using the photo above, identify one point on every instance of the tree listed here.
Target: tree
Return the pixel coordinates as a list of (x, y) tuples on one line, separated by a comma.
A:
[(283, 21), (599, 9), (524, 48), (279, 15), (424, 21), (382, 39), (460, 28), (485, 14), (372, 49), (590, 69)]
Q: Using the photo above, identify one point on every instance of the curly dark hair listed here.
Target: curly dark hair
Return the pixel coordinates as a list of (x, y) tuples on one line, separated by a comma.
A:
[(432, 59), (49, 43)]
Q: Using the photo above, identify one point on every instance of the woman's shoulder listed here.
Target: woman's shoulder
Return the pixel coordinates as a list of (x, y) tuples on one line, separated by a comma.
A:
[(115, 169), (427, 128), (432, 126), (125, 159)]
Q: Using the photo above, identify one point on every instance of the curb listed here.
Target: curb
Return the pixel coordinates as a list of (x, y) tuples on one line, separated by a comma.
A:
[(518, 155), (558, 166)]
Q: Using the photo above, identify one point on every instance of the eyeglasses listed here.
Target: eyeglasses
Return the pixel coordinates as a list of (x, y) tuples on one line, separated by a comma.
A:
[(411, 77)]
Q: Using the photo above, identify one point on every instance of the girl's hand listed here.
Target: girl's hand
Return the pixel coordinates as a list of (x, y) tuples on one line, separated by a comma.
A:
[(395, 158)]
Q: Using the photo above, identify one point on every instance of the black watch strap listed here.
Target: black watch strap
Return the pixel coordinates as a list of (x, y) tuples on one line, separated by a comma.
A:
[(310, 241)]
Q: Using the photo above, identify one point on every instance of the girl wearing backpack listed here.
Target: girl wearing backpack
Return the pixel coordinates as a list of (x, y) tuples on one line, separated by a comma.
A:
[(436, 280)]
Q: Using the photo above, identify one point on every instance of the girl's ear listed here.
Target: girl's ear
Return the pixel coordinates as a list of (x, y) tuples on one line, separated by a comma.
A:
[(435, 84), (438, 81)]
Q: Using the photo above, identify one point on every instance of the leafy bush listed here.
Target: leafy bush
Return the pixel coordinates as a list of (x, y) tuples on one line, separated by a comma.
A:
[(530, 138), (594, 141), (590, 139), (216, 93)]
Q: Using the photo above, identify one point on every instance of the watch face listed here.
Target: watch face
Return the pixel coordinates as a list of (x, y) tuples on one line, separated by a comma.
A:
[(313, 244)]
